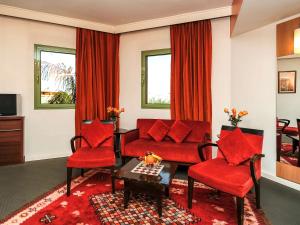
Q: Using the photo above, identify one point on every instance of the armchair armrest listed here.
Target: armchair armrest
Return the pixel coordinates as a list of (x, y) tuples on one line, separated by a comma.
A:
[(285, 122), (201, 147), (252, 166), (128, 137), (73, 142)]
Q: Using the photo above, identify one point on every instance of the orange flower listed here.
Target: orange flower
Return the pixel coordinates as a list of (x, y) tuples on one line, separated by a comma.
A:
[(245, 113), (109, 109), (233, 112), (226, 110), (122, 110)]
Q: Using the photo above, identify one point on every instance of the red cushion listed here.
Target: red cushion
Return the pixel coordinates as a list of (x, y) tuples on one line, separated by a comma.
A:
[(92, 158), (235, 147), (159, 130), (96, 132), (217, 173), (168, 150), (199, 129), (179, 131)]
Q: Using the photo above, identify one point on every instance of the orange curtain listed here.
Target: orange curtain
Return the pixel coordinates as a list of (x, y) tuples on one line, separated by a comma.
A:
[(191, 47), (97, 74)]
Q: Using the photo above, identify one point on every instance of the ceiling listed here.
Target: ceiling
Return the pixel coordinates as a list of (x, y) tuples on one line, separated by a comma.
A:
[(257, 13), (117, 12)]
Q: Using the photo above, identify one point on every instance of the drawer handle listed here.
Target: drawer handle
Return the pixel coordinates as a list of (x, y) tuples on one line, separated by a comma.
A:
[(11, 130)]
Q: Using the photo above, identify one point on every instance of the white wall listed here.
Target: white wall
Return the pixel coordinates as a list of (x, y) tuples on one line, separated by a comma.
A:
[(288, 104), (132, 44), (253, 87), (47, 132)]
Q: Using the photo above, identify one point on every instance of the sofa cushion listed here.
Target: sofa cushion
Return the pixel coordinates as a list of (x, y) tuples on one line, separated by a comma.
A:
[(199, 129), (179, 131), (235, 147), (158, 130), (96, 133), (168, 150)]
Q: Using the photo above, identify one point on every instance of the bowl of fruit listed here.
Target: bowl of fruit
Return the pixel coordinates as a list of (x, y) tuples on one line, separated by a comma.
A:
[(150, 159)]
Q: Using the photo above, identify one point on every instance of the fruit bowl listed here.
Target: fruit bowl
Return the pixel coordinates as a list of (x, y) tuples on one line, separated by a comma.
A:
[(150, 159)]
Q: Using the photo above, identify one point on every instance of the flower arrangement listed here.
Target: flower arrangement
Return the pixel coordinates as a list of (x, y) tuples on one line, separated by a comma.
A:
[(114, 113), (235, 118)]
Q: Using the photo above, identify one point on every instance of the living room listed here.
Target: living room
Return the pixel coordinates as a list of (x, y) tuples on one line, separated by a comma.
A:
[(245, 57)]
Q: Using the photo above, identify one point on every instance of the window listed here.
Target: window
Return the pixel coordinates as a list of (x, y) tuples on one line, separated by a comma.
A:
[(156, 72), (54, 73)]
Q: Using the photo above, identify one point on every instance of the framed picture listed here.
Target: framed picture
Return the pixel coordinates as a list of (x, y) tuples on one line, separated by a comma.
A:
[(287, 81)]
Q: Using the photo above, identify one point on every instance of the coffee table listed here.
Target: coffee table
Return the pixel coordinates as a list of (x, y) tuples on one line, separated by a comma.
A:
[(154, 186)]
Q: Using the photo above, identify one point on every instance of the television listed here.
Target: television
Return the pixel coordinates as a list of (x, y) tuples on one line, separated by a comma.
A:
[(9, 104)]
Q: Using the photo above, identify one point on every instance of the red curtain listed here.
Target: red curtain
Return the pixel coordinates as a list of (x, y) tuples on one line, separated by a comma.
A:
[(191, 47), (97, 74)]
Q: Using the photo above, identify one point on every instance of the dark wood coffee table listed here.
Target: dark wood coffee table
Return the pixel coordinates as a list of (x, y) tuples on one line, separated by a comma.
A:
[(155, 186)]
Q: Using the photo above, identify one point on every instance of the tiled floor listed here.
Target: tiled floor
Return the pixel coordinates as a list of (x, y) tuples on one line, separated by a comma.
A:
[(20, 184)]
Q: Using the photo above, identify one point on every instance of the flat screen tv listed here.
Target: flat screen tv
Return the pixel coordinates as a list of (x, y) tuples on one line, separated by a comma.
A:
[(8, 104)]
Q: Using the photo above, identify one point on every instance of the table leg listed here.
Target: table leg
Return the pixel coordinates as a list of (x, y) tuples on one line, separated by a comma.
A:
[(126, 198), (167, 191), (295, 144), (159, 205)]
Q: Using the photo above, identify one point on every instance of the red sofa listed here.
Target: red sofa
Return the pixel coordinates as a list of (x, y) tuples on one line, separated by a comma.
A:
[(137, 142)]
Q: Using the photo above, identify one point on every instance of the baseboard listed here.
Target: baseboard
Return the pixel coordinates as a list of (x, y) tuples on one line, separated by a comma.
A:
[(46, 156), (281, 181)]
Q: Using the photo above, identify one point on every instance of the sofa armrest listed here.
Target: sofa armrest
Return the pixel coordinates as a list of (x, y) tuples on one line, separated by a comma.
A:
[(128, 137)]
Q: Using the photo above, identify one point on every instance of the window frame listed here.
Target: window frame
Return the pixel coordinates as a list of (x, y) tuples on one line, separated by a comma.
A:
[(144, 79), (37, 75)]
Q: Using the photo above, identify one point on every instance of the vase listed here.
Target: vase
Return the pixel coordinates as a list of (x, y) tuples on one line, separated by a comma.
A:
[(115, 121)]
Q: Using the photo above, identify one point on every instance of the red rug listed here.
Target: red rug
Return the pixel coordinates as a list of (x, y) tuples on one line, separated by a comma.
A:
[(81, 207)]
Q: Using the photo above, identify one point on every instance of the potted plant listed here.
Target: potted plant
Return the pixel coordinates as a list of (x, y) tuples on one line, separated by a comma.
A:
[(235, 118), (114, 114)]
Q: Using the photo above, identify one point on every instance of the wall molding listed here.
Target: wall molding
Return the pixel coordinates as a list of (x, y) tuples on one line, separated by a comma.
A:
[(140, 25), (177, 19), (55, 19), (281, 181)]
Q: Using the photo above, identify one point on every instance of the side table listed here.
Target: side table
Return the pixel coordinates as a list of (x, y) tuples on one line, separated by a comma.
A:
[(118, 132)]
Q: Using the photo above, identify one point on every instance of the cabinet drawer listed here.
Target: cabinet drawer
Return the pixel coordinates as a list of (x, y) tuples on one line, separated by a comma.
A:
[(10, 136), (10, 124), (10, 153)]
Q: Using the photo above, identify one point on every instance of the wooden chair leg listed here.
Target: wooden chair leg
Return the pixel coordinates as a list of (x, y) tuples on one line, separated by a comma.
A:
[(190, 191), (69, 178), (123, 160), (257, 194), (82, 172), (240, 210), (113, 179)]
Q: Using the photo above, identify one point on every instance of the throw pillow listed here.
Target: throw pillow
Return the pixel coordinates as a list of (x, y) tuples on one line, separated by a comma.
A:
[(96, 133), (158, 130), (235, 147), (179, 131)]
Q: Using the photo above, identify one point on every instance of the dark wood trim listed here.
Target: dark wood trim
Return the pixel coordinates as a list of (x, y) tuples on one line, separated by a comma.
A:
[(244, 130), (240, 210), (201, 147), (190, 191)]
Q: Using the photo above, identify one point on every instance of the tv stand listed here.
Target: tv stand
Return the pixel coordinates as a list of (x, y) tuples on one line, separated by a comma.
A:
[(11, 140)]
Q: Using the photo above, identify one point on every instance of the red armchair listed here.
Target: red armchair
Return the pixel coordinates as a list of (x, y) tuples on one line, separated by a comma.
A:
[(90, 155), (233, 179)]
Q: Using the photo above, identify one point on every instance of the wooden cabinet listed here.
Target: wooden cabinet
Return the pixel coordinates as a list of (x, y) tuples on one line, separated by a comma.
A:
[(285, 37), (11, 139)]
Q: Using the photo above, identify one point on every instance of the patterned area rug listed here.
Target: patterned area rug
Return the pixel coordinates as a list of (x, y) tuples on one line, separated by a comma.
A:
[(141, 210), (55, 208)]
